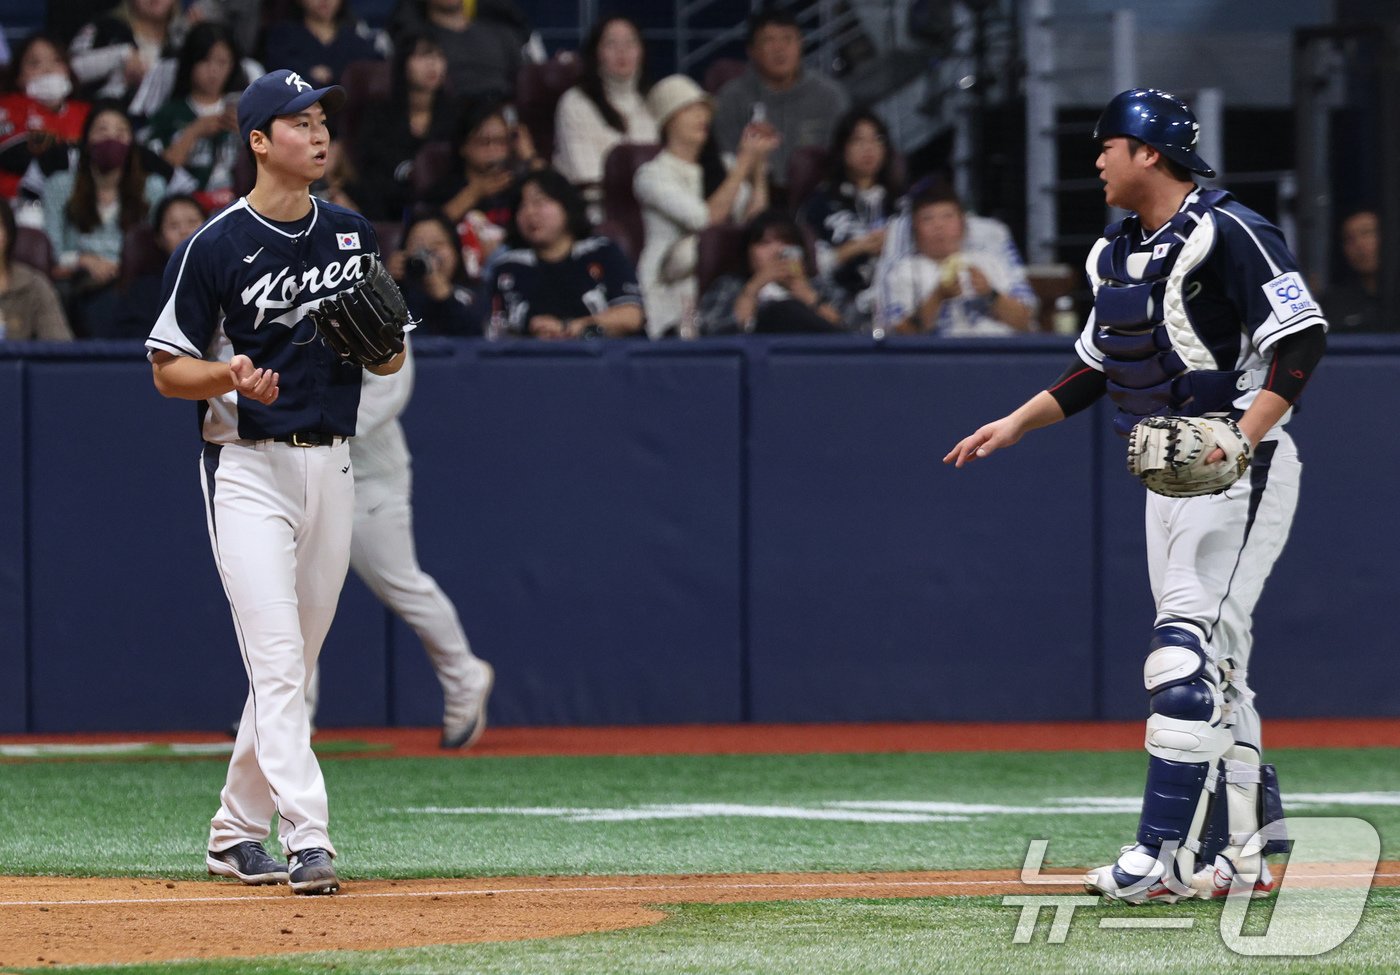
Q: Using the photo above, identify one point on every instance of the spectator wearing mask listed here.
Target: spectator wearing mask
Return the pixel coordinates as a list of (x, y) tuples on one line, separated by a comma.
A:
[(320, 39), (29, 305), (685, 189), (88, 209), (435, 286), (113, 54), (197, 130), (559, 281), (773, 292), (945, 287), (800, 105), (418, 111), (607, 107), (40, 116)]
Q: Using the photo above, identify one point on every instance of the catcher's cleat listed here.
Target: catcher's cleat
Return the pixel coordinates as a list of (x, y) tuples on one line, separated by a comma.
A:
[(1224, 877), (464, 717), (1138, 877)]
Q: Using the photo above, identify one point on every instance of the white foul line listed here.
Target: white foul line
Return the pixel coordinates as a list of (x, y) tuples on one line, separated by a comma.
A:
[(491, 891)]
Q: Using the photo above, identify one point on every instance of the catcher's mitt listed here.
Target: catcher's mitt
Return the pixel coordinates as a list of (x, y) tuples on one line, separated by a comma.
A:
[(365, 322), (1169, 454)]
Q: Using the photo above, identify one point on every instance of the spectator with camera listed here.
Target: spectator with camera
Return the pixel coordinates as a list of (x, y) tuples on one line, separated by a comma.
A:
[(428, 267), (494, 150), (800, 106), (559, 281), (772, 292)]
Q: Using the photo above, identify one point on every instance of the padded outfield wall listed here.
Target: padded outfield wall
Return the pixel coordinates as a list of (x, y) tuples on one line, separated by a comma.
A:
[(708, 532)]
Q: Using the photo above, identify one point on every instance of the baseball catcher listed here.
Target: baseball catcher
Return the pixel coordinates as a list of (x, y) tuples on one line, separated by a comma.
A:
[(366, 322)]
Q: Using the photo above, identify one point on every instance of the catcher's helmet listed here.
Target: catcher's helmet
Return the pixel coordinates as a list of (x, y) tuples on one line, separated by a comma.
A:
[(1159, 119)]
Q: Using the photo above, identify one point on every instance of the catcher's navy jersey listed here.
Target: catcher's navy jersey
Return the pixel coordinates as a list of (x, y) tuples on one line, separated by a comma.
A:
[(243, 284), (1244, 296)]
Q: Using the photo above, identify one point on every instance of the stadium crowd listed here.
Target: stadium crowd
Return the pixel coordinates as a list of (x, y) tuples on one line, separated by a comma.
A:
[(513, 195)]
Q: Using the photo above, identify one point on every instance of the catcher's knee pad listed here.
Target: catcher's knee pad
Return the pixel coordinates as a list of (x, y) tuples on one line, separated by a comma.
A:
[(1185, 739), (1184, 725)]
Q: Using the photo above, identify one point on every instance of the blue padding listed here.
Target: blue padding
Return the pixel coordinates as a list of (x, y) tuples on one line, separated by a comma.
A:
[(879, 575), (1169, 801), (1194, 701), (1129, 305), (582, 507), (14, 582)]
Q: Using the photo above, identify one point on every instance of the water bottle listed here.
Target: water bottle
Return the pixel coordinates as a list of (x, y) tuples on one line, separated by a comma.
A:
[(1065, 320)]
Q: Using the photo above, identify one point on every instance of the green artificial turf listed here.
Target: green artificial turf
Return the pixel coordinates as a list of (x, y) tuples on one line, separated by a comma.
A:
[(150, 818)]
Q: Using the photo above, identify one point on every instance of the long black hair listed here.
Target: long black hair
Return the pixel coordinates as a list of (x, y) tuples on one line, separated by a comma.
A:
[(81, 209), (836, 157), (7, 220), (202, 39), (591, 81), (406, 46), (553, 185)]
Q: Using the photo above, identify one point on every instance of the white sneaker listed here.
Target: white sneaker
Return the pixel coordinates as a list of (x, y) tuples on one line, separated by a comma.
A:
[(1224, 876), (464, 716), (1138, 877)]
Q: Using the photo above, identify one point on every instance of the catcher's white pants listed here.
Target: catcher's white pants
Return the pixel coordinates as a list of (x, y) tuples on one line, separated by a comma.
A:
[(279, 523), (1208, 558), (382, 554)]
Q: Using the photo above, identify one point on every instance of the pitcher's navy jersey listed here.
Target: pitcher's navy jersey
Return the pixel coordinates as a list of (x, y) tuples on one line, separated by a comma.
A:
[(243, 284), (1242, 298)]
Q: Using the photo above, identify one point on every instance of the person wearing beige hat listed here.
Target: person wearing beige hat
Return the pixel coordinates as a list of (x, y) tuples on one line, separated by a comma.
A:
[(689, 187)]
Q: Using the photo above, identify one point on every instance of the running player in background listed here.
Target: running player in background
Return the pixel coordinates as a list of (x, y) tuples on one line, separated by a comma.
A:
[(277, 408), (1199, 310)]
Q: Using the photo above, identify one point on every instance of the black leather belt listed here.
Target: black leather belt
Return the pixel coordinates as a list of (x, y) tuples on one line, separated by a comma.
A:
[(310, 439)]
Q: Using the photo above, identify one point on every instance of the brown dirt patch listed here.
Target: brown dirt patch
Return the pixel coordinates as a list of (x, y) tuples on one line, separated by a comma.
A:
[(48, 920)]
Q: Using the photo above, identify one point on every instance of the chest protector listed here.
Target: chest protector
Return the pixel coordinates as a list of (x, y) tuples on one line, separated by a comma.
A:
[(1154, 361)]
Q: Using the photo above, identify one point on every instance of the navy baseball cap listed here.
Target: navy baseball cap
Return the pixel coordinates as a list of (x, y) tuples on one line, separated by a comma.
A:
[(282, 92)]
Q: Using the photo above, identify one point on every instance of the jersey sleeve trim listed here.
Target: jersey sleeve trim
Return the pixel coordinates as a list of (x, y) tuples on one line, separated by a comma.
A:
[(1266, 340)]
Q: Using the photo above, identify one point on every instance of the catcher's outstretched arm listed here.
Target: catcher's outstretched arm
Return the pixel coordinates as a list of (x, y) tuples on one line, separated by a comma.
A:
[(1040, 410)]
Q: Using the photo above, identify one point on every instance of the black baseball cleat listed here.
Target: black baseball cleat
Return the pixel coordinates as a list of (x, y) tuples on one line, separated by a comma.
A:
[(248, 862), (311, 872)]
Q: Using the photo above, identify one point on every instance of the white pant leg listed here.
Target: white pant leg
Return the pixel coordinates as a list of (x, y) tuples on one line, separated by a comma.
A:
[(1208, 559), (382, 554), (279, 521)]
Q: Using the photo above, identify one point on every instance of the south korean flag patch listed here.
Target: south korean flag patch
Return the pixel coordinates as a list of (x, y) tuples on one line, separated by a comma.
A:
[(348, 242), (1289, 297)]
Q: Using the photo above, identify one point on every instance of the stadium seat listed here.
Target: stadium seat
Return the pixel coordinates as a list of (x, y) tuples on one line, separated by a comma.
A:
[(389, 234), (620, 205), (538, 89), (805, 171), (33, 248), (719, 251), (140, 253), (618, 234), (365, 82), (433, 162), (722, 71)]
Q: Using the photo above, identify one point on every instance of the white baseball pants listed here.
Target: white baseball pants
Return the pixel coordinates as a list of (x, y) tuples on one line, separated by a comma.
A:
[(1208, 559), (279, 522)]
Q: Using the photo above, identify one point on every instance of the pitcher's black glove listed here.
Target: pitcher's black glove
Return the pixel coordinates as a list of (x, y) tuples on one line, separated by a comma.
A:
[(365, 322)]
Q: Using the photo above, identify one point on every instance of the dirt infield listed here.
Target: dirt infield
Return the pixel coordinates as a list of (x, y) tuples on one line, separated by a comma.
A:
[(46, 920)]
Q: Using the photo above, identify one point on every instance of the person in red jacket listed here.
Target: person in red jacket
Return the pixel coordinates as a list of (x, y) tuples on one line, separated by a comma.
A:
[(38, 116)]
